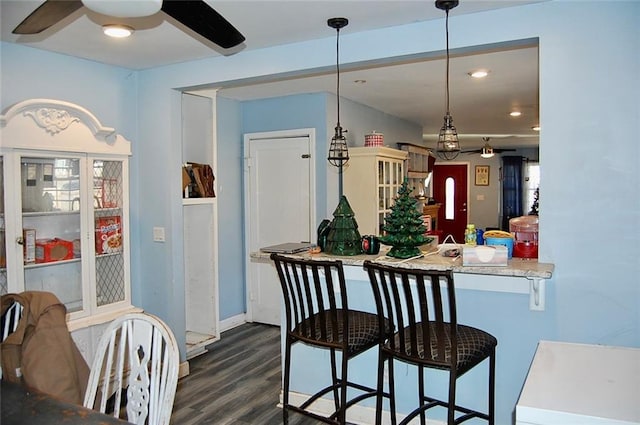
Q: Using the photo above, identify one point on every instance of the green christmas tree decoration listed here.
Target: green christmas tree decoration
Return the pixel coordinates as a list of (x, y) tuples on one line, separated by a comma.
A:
[(343, 237), (404, 227)]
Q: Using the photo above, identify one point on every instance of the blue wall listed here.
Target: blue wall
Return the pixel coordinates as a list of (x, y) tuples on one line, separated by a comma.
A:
[(231, 277), (289, 113), (589, 150)]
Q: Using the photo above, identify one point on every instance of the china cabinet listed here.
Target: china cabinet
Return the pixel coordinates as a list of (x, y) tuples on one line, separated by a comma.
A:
[(372, 178), (64, 222)]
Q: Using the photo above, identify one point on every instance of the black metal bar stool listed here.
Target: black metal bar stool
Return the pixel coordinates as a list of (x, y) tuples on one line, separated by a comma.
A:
[(317, 314), (421, 306)]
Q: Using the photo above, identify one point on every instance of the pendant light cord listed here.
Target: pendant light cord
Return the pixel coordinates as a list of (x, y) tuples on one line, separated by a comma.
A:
[(338, 71), (447, 32)]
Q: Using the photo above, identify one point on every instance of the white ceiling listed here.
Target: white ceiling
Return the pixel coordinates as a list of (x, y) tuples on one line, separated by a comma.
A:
[(479, 107)]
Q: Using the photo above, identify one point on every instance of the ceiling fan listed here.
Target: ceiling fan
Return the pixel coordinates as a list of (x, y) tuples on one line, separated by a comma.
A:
[(194, 14), (487, 151)]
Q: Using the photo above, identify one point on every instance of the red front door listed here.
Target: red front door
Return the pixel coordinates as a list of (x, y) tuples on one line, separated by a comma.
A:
[(450, 191)]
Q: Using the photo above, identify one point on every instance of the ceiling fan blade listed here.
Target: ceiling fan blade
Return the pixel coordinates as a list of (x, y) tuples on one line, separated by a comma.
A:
[(503, 150), (472, 151), (201, 18), (49, 13)]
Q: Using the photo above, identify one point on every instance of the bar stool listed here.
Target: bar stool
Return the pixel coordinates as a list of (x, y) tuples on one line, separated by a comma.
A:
[(317, 314), (421, 306)]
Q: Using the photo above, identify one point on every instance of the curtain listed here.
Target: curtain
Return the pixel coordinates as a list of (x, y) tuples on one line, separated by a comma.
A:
[(512, 187)]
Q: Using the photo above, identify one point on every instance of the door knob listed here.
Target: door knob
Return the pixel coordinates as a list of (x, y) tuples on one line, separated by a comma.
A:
[(20, 240)]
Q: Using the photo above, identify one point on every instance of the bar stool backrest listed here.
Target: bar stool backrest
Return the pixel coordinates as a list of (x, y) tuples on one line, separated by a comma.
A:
[(315, 300), (422, 302)]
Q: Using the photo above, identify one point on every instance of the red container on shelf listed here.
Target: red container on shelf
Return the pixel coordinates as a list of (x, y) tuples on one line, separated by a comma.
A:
[(49, 250), (373, 139), (525, 232)]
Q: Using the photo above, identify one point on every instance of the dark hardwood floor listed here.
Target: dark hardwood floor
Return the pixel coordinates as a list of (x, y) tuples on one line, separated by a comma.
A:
[(236, 383)]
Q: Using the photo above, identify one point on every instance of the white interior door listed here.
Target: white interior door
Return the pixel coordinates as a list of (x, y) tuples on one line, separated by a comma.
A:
[(280, 201)]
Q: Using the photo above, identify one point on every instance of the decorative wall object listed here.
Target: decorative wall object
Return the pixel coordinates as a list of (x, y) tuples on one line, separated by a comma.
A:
[(482, 175)]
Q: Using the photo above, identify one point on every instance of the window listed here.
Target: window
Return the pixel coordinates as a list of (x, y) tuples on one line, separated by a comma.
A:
[(449, 192), (531, 184)]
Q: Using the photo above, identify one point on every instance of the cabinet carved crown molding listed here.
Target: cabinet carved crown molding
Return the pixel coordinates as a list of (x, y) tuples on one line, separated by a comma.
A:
[(54, 117), (52, 120)]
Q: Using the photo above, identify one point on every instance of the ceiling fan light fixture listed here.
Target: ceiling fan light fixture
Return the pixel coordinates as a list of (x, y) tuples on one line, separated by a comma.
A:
[(487, 151), (117, 30), (124, 8), (480, 73), (448, 146)]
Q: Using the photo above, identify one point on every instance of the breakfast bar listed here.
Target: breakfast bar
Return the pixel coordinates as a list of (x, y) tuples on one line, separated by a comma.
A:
[(520, 276), (507, 301)]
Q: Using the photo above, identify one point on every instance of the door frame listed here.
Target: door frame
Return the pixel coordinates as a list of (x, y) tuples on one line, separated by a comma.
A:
[(310, 133)]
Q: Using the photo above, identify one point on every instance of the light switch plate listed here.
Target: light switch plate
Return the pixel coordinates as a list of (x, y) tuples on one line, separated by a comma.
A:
[(158, 234)]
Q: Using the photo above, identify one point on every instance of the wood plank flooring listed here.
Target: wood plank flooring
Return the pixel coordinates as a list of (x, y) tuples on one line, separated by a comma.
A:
[(236, 383)]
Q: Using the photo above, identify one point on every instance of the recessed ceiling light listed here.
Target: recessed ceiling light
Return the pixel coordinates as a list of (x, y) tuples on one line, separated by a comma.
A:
[(480, 73), (515, 113), (117, 31), (535, 128)]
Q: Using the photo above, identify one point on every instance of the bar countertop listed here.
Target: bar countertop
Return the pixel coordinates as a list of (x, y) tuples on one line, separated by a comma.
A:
[(526, 268)]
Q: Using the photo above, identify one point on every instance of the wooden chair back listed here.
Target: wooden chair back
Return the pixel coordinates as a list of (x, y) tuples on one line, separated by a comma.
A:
[(135, 372)]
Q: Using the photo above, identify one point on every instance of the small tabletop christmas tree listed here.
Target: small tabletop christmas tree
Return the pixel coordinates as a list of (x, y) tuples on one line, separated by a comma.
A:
[(343, 237), (404, 226)]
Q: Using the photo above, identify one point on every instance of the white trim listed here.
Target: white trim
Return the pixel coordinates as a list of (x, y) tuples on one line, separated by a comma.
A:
[(233, 322), (183, 369), (99, 318)]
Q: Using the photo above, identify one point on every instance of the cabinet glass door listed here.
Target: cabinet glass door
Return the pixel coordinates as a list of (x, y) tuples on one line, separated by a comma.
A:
[(109, 243), (51, 227)]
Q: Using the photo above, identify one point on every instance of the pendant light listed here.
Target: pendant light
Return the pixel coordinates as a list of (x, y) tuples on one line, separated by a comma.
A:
[(448, 144), (338, 151)]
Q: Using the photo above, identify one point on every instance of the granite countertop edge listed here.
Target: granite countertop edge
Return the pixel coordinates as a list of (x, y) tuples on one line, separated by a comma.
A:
[(516, 267)]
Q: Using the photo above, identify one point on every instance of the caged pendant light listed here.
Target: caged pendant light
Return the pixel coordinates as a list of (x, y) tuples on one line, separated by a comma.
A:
[(338, 151), (448, 144)]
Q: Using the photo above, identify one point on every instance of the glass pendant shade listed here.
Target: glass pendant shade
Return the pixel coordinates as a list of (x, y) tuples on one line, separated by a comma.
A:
[(448, 144)]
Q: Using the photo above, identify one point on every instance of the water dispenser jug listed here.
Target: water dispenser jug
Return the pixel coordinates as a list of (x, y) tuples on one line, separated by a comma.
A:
[(525, 232)]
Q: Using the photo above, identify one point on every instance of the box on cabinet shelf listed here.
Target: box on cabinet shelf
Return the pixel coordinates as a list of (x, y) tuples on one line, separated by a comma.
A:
[(108, 234), (49, 250)]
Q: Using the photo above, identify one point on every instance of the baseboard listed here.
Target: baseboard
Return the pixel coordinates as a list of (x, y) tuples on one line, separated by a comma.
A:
[(361, 415), (183, 369), (232, 322)]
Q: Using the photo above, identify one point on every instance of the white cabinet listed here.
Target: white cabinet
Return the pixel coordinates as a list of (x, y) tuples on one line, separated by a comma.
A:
[(200, 218), (64, 222), (584, 384), (372, 178), (419, 165)]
